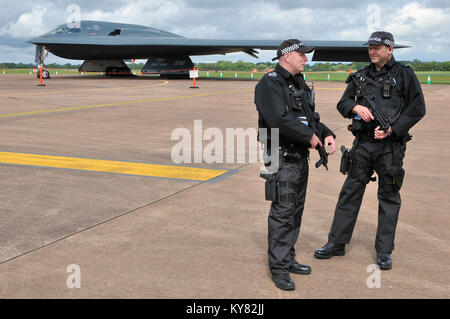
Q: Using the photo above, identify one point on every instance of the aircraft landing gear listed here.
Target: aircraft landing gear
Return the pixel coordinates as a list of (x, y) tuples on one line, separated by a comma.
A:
[(45, 74)]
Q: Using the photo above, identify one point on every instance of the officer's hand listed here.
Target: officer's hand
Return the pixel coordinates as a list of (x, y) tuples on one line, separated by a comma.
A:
[(380, 134), (315, 141), (329, 141), (363, 112)]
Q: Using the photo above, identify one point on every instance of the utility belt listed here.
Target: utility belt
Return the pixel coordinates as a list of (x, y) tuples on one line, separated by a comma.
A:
[(369, 137), (394, 170), (288, 153), (275, 190), (360, 127), (291, 153)]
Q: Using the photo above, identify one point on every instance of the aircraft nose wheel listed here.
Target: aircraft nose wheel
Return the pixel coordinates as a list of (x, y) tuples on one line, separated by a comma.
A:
[(45, 74)]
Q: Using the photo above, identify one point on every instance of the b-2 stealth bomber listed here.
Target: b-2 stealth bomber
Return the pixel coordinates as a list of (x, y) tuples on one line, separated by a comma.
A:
[(106, 45)]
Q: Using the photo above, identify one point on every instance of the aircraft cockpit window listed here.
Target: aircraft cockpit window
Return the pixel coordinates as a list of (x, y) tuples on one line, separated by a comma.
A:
[(115, 32), (64, 29)]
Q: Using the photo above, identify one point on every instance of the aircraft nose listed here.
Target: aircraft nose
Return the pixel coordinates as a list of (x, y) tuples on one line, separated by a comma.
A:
[(35, 40)]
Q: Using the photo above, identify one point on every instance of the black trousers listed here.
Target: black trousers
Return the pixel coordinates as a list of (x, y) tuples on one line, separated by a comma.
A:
[(285, 215), (371, 156)]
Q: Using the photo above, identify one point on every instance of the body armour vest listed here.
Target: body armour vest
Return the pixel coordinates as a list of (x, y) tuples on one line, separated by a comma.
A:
[(291, 107), (387, 88)]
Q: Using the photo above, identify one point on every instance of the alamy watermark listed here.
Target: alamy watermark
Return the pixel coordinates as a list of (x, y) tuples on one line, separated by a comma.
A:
[(74, 279), (74, 18), (374, 279), (374, 17), (231, 146)]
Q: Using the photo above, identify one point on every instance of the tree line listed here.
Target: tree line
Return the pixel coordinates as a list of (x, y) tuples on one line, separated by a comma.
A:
[(317, 67), (417, 65)]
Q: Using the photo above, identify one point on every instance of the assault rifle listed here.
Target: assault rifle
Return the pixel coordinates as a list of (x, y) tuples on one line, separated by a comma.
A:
[(301, 99), (376, 111)]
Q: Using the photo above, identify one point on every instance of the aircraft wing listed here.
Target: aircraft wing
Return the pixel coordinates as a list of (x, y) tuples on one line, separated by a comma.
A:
[(102, 40)]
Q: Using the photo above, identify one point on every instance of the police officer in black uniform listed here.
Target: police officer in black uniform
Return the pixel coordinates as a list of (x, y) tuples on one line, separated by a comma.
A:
[(396, 91), (278, 108)]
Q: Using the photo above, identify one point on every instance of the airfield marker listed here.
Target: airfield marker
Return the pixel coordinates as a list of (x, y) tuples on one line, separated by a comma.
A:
[(40, 78), (221, 75), (429, 79), (235, 75), (251, 75), (329, 76), (193, 74)]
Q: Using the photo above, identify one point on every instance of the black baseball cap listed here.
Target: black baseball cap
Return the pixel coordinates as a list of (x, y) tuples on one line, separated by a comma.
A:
[(381, 37), (291, 45)]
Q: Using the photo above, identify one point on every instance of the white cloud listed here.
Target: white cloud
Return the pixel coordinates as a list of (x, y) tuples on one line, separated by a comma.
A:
[(422, 25), (29, 24), (152, 13), (414, 19), (9, 54), (425, 29)]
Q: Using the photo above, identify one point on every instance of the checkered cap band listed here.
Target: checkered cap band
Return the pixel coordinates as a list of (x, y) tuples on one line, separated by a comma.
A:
[(386, 41), (291, 48)]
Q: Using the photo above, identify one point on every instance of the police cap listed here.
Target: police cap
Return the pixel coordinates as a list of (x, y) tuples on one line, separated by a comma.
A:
[(381, 37), (291, 45)]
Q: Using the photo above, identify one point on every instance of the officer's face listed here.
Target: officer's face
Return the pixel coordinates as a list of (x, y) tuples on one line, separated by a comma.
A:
[(380, 54), (297, 61)]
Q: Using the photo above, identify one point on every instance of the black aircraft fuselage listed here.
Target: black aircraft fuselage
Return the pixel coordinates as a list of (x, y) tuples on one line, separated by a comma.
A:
[(106, 41)]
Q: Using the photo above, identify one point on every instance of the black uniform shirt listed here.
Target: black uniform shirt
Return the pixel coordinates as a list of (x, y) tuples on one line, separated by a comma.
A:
[(275, 108), (413, 102)]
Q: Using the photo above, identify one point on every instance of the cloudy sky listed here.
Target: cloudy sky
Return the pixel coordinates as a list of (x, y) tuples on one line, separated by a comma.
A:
[(425, 25)]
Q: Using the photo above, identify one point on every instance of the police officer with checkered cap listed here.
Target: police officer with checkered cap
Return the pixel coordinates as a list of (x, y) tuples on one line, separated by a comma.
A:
[(397, 92), (277, 108)]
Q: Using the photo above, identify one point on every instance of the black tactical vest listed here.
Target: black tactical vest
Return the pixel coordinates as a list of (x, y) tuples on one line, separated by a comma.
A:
[(292, 107), (387, 88)]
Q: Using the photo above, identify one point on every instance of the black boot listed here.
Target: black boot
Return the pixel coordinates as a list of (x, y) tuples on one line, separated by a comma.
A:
[(300, 269), (283, 282), (330, 250), (384, 261)]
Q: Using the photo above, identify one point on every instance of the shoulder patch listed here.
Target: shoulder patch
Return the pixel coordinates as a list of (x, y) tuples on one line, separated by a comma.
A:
[(273, 74), (403, 65)]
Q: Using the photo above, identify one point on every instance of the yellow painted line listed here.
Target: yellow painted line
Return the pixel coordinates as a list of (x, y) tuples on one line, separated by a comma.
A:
[(116, 103), (32, 92), (95, 165)]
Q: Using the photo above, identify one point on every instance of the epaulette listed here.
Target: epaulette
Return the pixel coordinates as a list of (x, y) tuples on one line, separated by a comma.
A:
[(272, 74), (349, 79)]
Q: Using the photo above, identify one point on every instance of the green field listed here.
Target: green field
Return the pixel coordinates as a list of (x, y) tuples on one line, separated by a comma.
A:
[(310, 76), (27, 71), (435, 77)]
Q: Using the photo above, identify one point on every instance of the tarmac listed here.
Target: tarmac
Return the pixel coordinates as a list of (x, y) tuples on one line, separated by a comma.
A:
[(92, 198)]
